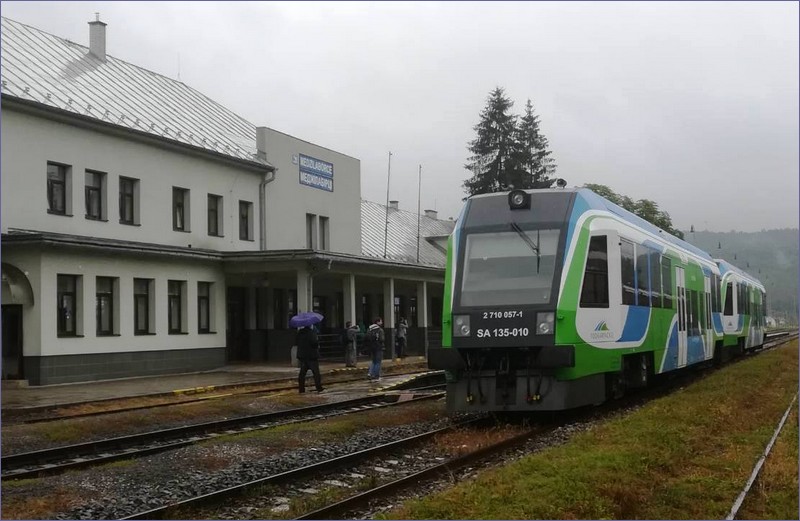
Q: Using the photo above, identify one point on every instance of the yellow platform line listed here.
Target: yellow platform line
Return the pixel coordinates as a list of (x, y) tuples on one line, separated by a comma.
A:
[(195, 390)]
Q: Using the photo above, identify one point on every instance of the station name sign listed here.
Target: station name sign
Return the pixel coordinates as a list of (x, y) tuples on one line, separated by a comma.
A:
[(316, 173)]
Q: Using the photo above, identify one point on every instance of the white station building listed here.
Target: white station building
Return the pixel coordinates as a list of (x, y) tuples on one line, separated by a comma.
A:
[(146, 229)]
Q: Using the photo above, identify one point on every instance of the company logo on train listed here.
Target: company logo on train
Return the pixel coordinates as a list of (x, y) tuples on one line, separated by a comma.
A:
[(559, 298)]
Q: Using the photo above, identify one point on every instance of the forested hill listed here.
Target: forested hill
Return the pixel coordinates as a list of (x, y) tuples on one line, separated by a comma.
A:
[(769, 255)]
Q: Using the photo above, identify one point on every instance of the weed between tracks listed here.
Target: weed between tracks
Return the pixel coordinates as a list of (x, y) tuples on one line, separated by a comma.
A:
[(685, 456)]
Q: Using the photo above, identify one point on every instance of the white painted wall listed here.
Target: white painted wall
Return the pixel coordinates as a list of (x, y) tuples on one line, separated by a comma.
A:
[(40, 328), (29, 142), (30, 264), (288, 201)]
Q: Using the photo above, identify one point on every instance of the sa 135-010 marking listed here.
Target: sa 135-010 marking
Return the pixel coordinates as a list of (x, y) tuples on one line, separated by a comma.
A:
[(503, 332)]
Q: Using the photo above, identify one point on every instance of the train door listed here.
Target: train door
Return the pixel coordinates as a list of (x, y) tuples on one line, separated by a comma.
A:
[(683, 316), (709, 331)]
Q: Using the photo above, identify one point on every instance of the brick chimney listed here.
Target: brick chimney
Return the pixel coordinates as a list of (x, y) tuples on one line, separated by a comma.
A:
[(97, 38), (431, 213), (394, 205)]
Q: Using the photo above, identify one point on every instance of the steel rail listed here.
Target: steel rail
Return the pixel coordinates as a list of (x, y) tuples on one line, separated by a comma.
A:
[(59, 459), (760, 463), (316, 468), (336, 510)]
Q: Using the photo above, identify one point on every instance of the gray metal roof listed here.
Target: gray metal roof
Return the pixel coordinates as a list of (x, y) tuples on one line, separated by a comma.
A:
[(401, 244), (40, 67)]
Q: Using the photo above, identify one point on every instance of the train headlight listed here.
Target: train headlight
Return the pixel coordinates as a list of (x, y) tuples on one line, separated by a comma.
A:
[(461, 325), (544, 323), (519, 200)]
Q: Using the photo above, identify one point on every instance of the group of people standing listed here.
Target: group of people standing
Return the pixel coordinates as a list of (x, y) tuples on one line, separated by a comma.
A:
[(374, 344)]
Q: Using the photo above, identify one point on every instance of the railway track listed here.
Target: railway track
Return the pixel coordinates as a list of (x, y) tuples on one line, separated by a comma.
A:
[(60, 459), (213, 494), (168, 511)]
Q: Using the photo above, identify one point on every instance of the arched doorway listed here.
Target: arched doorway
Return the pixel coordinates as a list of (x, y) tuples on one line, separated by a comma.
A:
[(17, 298)]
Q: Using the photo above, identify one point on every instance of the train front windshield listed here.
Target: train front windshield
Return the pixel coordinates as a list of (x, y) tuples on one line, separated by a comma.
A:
[(509, 268)]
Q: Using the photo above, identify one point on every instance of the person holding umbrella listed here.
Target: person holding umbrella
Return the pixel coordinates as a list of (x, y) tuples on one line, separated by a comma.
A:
[(307, 349)]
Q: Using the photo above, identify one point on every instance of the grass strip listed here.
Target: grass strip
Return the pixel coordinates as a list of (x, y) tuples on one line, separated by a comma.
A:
[(775, 494), (685, 456)]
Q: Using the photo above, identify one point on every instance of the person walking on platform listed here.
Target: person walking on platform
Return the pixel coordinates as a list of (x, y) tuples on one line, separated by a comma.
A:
[(308, 356), (351, 334), (402, 332), (375, 339)]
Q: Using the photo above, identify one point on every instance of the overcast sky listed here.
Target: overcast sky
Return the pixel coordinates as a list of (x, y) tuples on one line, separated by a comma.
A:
[(693, 105)]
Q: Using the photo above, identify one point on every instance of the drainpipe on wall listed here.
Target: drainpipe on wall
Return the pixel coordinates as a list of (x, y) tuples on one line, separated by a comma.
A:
[(262, 207), (261, 147)]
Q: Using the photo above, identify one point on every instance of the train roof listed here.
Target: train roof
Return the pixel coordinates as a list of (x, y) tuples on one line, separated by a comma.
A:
[(725, 266), (598, 202)]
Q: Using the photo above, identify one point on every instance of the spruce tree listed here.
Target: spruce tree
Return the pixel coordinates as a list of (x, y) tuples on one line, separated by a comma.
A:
[(533, 157), (492, 162)]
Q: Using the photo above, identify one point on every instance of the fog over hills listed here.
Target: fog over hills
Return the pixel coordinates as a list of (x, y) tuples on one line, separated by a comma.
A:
[(769, 255)]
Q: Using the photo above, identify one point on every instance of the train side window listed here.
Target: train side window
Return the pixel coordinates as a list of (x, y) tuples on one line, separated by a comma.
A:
[(666, 280), (642, 275), (701, 310), (729, 299), (594, 293), (628, 273), (715, 293), (655, 279), (693, 313)]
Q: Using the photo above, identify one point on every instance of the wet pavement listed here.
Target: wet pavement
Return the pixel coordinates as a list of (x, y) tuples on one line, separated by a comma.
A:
[(39, 397)]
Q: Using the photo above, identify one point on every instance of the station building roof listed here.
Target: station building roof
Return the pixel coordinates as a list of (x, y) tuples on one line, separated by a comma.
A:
[(60, 74)]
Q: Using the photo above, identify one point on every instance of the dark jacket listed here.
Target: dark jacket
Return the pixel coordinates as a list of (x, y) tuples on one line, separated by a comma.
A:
[(352, 334), (307, 344), (381, 340)]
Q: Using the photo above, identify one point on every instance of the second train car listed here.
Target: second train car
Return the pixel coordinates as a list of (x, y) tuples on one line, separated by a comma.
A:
[(559, 298)]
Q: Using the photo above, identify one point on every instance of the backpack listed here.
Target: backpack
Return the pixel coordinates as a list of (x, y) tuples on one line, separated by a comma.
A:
[(370, 341)]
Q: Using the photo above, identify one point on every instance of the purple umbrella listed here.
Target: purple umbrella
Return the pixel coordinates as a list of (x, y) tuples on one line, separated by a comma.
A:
[(306, 318)]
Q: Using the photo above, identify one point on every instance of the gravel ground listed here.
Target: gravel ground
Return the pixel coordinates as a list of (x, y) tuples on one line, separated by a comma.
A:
[(120, 490)]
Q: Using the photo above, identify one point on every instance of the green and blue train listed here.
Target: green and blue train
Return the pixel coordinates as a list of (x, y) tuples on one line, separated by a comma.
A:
[(559, 298)]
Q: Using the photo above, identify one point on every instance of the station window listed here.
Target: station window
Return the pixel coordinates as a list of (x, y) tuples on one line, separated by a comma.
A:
[(215, 213), (324, 233), (204, 311), (58, 189), (95, 195), (106, 305), (628, 273), (311, 231), (128, 200), (67, 304), (180, 209), (176, 306), (142, 306), (245, 220), (594, 293)]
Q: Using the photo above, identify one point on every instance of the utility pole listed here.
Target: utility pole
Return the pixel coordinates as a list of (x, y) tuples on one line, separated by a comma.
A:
[(386, 228), (419, 195)]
